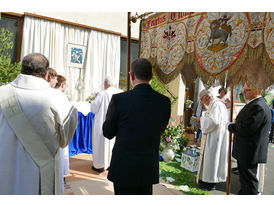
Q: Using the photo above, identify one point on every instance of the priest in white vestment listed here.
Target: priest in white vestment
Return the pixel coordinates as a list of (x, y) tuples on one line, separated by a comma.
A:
[(101, 146), (29, 157), (214, 144)]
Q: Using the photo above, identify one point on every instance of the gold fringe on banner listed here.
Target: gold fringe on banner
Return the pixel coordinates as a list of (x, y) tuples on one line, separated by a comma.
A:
[(257, 68), (166, 78), (209, 79), (232, 75), (188, 59), (188, 72), (268, 65), (257, 55)]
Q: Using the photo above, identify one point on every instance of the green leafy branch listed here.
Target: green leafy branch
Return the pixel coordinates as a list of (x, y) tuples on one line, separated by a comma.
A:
[(8, 70)]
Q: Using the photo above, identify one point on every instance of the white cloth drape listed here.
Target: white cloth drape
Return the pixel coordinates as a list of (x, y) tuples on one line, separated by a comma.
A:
[(51, 39)]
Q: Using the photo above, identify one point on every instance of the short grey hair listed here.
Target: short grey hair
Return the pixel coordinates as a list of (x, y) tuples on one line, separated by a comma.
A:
[(205, 92), (109, 80)]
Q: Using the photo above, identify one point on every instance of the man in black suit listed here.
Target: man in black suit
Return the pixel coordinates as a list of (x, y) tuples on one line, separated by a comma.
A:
[(137, 118), (251, 138)]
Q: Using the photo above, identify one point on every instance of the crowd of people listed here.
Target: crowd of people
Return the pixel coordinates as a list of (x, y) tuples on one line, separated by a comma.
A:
[(37, 122)]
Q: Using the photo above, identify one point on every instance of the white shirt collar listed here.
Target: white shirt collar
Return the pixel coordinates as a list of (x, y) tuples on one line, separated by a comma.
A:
[(254, 99)]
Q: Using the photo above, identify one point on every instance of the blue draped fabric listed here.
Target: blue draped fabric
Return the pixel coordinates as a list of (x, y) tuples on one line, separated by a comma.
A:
[(81, 141)]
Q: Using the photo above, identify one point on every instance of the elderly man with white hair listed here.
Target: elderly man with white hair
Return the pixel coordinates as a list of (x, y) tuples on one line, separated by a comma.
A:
[(214, 142), (102, 147)]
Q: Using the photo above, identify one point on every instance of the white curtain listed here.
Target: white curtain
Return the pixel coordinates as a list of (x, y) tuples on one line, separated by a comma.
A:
[(50, 38)]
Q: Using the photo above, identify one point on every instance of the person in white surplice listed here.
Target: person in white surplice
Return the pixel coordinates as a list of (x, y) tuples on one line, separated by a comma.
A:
[(102, 147), (214, 142), (61, 85), (35, 121), (59, 82)]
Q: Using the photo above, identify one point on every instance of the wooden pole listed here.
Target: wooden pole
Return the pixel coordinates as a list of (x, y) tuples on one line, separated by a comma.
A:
[(230, 141), (128, 47)]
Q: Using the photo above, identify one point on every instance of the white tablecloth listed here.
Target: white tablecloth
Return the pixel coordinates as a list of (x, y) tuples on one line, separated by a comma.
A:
[(83, 107)]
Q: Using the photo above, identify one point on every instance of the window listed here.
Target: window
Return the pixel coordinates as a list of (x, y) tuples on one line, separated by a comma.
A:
[(13, 22), (123, 59)]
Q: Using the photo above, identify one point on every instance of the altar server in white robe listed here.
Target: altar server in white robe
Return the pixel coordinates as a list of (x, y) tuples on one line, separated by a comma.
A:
[(35, 121), (214, 143), (64, 156), (102, 147), (61, 85)]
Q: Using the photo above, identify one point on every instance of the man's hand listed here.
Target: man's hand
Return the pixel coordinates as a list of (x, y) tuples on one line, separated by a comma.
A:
[(196, 119), (204, 106)]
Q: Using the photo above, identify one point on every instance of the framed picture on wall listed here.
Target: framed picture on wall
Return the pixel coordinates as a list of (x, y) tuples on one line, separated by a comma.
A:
[(76, 55)]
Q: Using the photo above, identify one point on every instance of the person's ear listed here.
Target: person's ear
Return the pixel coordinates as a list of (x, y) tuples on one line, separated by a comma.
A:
[(46, 76), (132, 76)]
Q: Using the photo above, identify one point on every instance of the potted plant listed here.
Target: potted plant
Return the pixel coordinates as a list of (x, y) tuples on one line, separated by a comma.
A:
[(188, 103), (173, 139)]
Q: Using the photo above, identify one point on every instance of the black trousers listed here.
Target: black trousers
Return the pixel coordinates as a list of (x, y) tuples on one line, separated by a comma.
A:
[(248, 179), (138, 190)]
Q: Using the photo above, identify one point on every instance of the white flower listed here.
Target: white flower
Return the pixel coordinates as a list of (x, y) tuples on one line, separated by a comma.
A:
[(184, 188), (170, 179)]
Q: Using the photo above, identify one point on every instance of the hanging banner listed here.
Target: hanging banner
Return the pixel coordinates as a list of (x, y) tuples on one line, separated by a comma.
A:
[(211, 45), (269, 36)]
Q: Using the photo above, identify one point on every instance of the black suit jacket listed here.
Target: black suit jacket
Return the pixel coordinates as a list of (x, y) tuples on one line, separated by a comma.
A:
[(251, 132), (137, 118)]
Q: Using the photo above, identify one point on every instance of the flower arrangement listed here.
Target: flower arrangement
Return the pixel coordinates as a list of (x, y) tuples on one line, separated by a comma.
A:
[(174, 136), (189, 130), (91, 97)]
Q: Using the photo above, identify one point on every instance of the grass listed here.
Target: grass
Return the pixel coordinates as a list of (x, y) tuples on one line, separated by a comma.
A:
[(181, 176)]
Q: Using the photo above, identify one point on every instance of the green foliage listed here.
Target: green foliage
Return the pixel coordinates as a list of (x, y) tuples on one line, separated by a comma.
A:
[(268, 97), (162, 88), (123, 82), (181, 176), (154, 83), (188, 101), (8, 70), (158, 86)]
